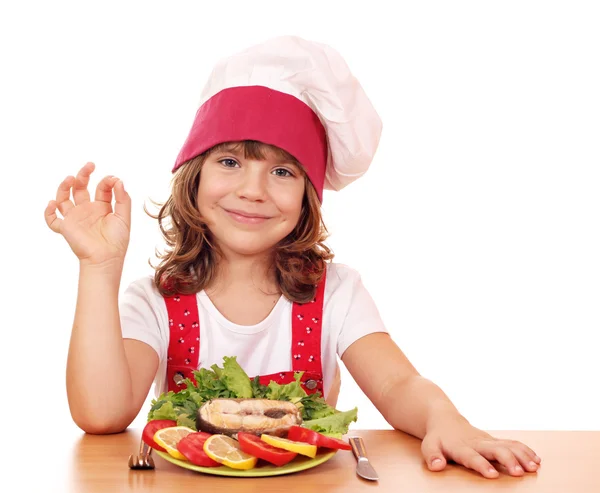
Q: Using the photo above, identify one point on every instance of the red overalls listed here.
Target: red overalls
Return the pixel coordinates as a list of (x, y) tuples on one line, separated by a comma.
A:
[(184, 342)]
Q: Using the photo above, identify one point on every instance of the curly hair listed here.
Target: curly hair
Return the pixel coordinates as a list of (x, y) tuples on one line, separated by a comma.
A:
[(191, 257)]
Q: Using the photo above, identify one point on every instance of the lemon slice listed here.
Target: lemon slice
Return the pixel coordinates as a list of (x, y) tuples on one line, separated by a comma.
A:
[(298, 447), (168, 438), (225, 450)]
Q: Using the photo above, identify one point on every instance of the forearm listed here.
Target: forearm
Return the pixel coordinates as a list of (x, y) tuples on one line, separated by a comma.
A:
[(413, 405), (98, 377)]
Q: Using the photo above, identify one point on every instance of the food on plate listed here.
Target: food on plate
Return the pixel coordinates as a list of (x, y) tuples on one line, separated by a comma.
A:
[(230, 381), (254, 445), (298, 447), (257, 416), (227, 451), (152, 427), (245, 450), (301, 434), (168, 438), (192, 447)]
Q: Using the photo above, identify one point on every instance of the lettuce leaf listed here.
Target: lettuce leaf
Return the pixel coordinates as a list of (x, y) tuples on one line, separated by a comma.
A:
[(185, 415), (236, 379), (288, 392), (259, 391), (180, 406), (335, 423), (313, 406), (164, 411)]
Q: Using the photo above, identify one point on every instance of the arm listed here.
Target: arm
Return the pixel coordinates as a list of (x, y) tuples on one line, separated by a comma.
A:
[(108, 378), (417, 406), (406, 400)]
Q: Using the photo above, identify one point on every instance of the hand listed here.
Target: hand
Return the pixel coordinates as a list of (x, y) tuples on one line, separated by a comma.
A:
[(455, 439), (94, 232)]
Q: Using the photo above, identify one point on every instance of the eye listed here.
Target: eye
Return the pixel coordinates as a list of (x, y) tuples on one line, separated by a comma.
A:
[(228, 163), (282, 172)]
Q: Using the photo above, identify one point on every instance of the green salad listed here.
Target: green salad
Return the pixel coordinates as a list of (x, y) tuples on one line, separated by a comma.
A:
[(231, 381)]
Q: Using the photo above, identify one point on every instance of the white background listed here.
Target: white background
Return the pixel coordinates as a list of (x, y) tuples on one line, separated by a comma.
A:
[(475, 230)]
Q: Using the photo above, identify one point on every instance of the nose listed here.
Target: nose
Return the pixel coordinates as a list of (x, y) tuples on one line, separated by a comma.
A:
[(253, 183)]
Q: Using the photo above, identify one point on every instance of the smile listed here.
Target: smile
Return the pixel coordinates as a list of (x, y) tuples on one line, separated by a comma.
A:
[(246, 219)]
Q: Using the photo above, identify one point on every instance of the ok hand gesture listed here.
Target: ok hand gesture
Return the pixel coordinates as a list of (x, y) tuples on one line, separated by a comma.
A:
[(95, 232)]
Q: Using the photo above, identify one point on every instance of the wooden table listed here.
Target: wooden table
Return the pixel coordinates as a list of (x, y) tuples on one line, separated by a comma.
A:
[(99, 464)]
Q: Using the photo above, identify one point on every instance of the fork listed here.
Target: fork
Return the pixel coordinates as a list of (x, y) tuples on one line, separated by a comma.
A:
[(143, 460)]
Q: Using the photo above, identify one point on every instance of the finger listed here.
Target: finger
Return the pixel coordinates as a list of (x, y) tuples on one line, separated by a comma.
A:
[(473, 460), (122, 203), (80, 191), (63, 195), (52, 220), (504, 456), (530, 452), (104, 190), (433, 455), (525, 459), (525, 456)]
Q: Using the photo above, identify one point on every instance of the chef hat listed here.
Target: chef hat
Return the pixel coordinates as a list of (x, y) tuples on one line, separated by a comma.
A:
[(297, 95)]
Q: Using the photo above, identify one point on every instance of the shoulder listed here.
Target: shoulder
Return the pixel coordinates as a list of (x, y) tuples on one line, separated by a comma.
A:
[(145, 283), (142, 289), (338, 272), (341, 280)]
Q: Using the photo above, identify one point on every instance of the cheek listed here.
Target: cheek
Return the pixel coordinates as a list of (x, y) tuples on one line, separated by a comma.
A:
[(211, 191), (289, 203)]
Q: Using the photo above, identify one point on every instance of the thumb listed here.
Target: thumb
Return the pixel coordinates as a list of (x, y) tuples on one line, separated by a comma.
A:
[(432, 453), (122, 203)]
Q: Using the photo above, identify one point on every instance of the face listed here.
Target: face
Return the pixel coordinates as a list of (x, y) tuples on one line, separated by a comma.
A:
[(249, 205)]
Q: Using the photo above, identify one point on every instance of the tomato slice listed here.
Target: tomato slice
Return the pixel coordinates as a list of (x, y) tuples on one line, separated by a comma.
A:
[(152, 427), (192, 447), (300, 434), (253, 445)]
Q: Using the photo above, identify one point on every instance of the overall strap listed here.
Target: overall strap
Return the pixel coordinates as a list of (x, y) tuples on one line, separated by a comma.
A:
[(307, 319), (184, 340)]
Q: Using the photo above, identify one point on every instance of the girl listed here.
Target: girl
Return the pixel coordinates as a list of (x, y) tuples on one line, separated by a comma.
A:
[(246, 272)]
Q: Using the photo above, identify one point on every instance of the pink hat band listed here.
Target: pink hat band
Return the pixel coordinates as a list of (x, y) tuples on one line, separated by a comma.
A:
[(262, 114)]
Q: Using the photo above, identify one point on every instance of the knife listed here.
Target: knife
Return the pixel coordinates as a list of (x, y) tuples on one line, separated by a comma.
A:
[(363, 467)]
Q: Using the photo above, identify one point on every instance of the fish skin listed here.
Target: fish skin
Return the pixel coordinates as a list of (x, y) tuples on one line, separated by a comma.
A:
[(230, 416)]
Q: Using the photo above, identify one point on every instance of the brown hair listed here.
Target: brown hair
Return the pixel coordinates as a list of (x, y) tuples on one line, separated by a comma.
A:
[(189, 262)]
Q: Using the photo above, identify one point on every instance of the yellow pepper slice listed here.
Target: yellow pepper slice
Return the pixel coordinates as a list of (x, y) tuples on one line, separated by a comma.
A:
[(298, 447)]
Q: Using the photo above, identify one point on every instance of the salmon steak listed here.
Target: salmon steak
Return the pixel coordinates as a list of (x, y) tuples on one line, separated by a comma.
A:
[(257, 416)]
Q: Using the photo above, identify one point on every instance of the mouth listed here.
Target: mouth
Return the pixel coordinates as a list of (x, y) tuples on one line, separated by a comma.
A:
[(246, 217)]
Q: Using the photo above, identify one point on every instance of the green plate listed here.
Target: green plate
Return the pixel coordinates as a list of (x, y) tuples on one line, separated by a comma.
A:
[(300, 463)]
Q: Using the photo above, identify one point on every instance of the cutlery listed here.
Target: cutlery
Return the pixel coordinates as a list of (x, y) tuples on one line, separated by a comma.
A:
[(363, 467), (143, 460)]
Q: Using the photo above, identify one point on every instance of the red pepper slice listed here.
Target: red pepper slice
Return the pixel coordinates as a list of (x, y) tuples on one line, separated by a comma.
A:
[(253, 445), (152, 427), (192, 447), (300, 434)]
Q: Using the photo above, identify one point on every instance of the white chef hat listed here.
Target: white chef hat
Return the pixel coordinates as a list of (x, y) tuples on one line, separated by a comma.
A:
[(297, 95)]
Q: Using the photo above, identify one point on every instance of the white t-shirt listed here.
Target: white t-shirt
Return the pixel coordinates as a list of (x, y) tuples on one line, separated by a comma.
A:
[(349, 313)]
